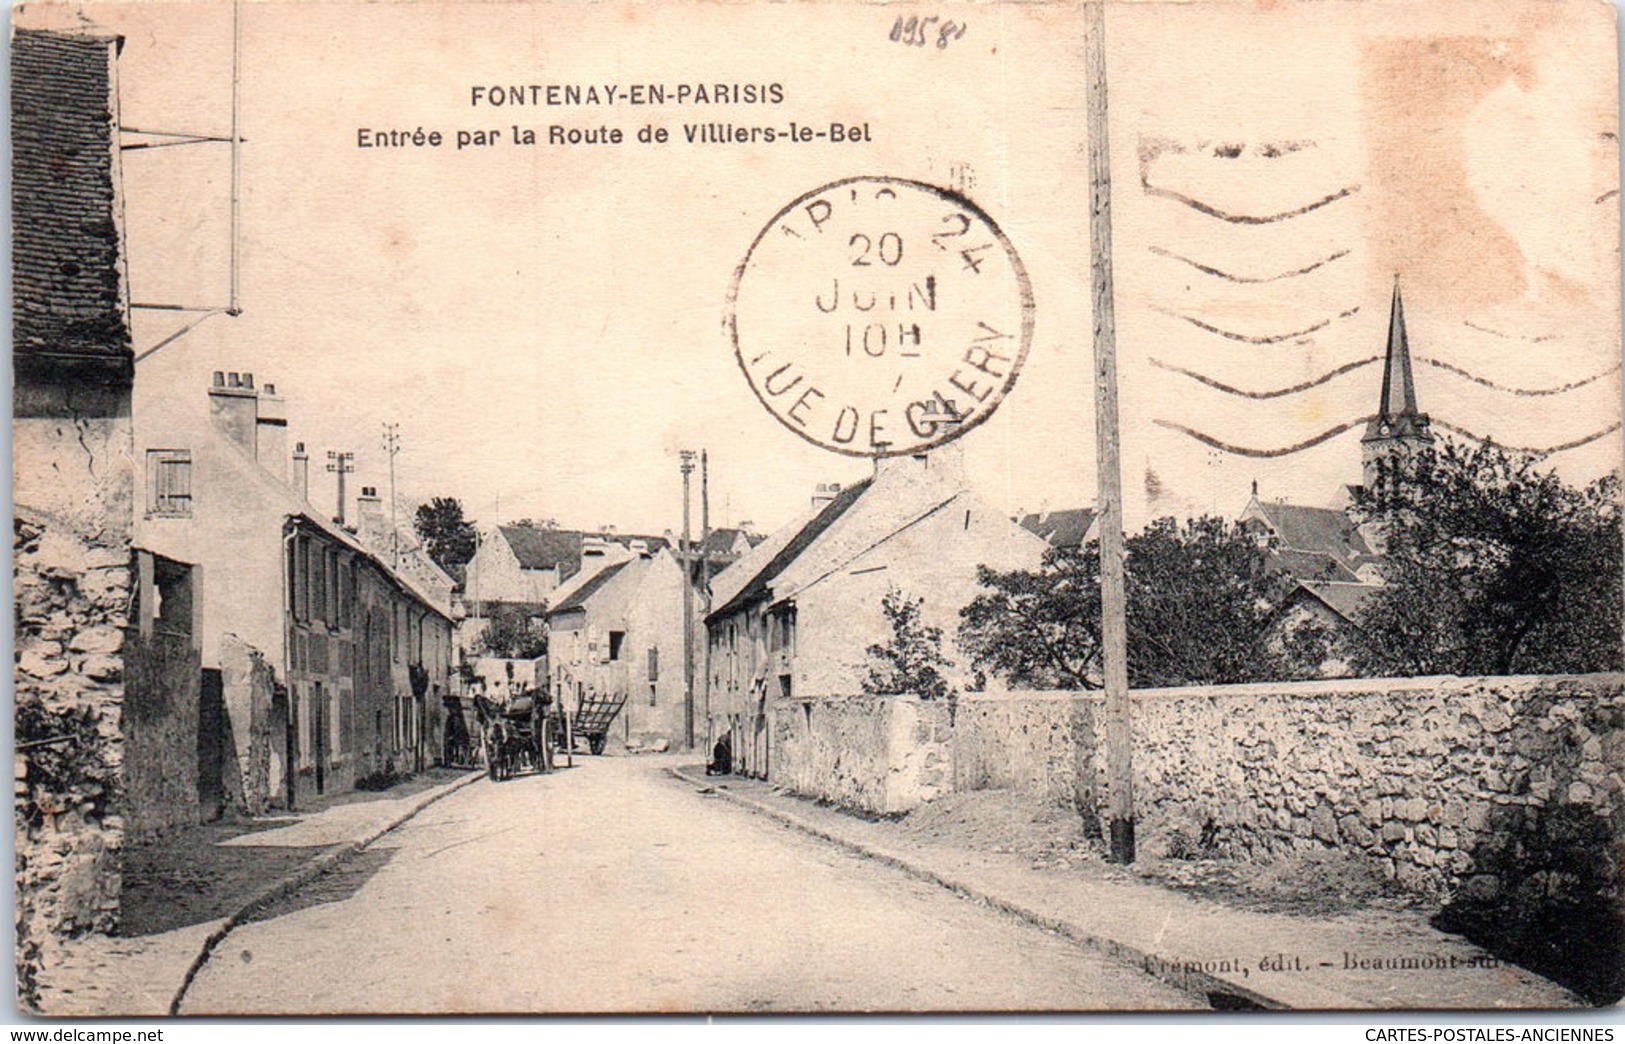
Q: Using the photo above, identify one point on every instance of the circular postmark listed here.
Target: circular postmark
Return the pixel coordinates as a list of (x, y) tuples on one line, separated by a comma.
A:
[(878, 316)]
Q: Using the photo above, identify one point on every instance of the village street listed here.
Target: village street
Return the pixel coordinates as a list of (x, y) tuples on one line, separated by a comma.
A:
[(612, 887)]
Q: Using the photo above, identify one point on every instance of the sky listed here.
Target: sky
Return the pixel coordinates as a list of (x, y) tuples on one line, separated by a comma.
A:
[(545, 323)]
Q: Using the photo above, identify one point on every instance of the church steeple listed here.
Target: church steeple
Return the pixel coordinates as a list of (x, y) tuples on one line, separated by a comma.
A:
[(1398, 426)]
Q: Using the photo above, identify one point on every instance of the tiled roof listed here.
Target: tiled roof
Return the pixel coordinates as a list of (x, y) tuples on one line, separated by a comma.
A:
[(69, 315), (538, 548), (1344, 599), (578, 598), (1308, 565), (721, 541), (1315, 529), (1068, 528), (767, 559)]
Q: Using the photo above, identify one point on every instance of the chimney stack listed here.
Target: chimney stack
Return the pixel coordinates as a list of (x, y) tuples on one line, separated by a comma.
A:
[(301, 471), (271, 433), (234, 408), (370, 521)]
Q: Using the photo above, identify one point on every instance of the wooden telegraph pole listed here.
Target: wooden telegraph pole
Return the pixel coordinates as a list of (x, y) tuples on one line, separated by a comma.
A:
[(687, 558), (1108, 448), (700, 634)]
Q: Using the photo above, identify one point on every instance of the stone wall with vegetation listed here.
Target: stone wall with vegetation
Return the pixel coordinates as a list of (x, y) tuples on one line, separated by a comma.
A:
[(877, 754)]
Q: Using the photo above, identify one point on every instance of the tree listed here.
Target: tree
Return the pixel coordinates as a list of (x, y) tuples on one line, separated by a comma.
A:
[(1200, 602), (510, 634), (448, 536), (912, 660), (1493, 566), (1040, 630)]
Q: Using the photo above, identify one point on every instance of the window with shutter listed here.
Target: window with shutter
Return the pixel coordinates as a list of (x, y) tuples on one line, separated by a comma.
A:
[(169, 483)]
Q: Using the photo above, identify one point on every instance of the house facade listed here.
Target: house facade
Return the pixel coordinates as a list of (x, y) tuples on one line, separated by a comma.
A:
[(618, 633), (337, 669), (796, 615)]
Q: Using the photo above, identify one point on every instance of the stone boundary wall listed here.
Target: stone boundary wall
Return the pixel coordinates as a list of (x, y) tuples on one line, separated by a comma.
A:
[(1440, 780), (880, 754), (1473, 786)]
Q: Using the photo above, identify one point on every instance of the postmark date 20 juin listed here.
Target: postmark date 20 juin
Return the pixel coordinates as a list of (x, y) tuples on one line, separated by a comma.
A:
[(880, 316)]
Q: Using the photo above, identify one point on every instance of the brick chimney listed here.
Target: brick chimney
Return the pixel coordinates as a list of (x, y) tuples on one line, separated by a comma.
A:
[(271, 433), (234, 408)]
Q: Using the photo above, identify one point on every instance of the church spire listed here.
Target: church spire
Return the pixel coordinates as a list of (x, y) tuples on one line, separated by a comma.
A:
[(1398, 426), (1398, 387), (1397, 415)]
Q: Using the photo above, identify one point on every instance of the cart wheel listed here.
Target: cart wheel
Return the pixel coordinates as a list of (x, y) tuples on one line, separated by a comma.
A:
[(595, 744)]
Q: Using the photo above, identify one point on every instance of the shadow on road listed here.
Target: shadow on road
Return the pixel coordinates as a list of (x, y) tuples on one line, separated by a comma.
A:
[(206, 872), (332, 886)]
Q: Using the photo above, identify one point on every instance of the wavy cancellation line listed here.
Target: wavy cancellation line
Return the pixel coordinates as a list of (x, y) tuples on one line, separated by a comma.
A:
[(1332, 433), (1276, 393), (1249, 339), (1507, 336), (1272, 393), (1244, 219), (1560, 389), (1539, 451), (1232, 277)]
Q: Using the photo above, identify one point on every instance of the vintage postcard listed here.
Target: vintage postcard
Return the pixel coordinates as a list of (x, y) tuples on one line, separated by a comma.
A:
[(557, 507)]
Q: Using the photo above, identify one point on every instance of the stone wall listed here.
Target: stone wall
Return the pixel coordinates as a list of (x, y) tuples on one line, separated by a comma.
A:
[(1434, 779), (881, 754), (71, 588)]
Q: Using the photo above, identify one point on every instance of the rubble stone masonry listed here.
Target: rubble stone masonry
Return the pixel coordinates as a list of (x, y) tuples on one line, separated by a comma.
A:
[(1437, 780), (1475, 787), (72, 590)]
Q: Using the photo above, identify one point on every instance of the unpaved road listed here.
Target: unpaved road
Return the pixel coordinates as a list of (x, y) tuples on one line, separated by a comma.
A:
[(614, 888)]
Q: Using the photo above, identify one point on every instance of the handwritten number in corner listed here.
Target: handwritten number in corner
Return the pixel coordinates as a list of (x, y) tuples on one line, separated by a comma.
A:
[(915, 31)]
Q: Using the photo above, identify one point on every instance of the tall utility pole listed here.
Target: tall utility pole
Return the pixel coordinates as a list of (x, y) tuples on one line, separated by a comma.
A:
[(392, 446), (705, 585), (1113, 597), (341, 464), (687, 558)]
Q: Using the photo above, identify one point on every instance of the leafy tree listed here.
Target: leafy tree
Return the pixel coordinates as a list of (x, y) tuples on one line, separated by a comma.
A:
[(510, 635), (1040, 630), (1493, 566), (448, 536), (912, 661), (1200, 602)]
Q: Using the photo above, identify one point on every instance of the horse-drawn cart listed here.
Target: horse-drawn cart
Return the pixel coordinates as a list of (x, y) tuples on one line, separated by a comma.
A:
[(515, 738), (594, 713)]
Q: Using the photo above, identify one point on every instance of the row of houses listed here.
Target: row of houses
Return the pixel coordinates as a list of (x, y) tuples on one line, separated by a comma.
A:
[(258, 651), (323, 646)]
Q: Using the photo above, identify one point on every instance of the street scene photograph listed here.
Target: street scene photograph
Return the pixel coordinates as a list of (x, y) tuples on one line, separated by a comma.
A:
[(690, 508)]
